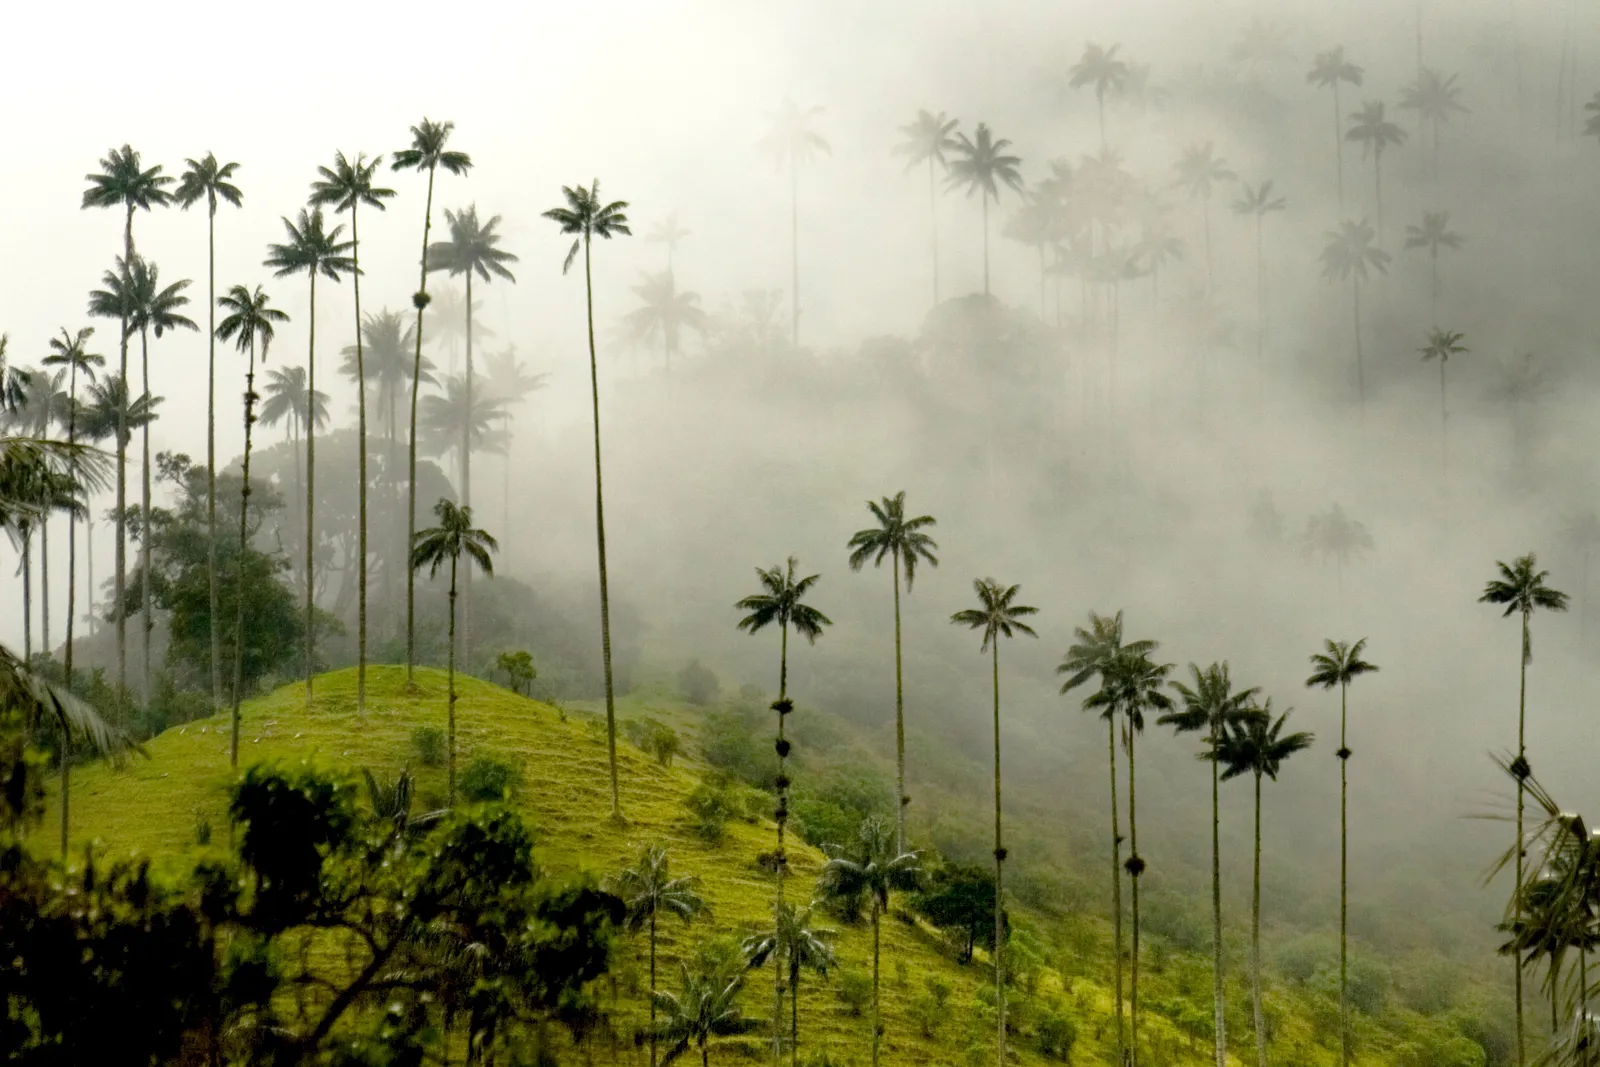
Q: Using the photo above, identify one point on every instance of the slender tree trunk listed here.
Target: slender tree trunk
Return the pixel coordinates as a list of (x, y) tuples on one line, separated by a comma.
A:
[(244, 542), (421, 301), (781, 860), (877, 1024), (1338, 145), (361, 476), (27, 595), (1377, 181), (1135, 863), (1255, 939), (211, 451), (1433, 293), (1355, 293), (311, 498), (794, 249), (652, 989), (120, 584), (451, 703), (148, 623), (794, 1016), (1100, 101), (1261, 303), (985, 199), (899, 717), (1205, 216), (1444, 425), (1583, 1002), (1522, 768), (1344, 880), (72, 600), (1116, 887), (44, 583), (933, 228), (1218, 1012), (466, 482), (600, 543), (999, 869)]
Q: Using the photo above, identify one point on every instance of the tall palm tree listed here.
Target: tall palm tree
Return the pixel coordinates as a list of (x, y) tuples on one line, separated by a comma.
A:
[(708, 1008), (108, 413), (1523, 589), (668, 232), (427, 152), (982, 166), (45, 404), (1259, 202), (901, 539), (71, 351), (804, 947), (870, 871), (1133, 684), (1442, 344), (1339, 664), (249, 319), (648, 891), (451, 422), (781, 602), (1347, 256), (1100, 68), (1434, 97), (998, 615), (1329, 70), (311, 249), (210, 180), (1433, 234), (1375, 133), (347, 186), (1258, 746), (1199, 171), (927, 140), (123, 181), (791, 141), (586, 218), (453, 538), (1095, 650), (667, 311), (1212, 704), (289, 401)]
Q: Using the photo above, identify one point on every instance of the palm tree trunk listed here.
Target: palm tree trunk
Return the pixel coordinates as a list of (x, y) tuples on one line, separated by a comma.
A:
[(1116, 887), (1219, 1014), (933, 228), (1377, 180), (44, 582), (794, 249), (899, 718), (1444, 424), (144, 541), (211, 454), (652, 989), (877, 1025), (1344, 881), (1433, 284), (244, 534), (600, 542), (421, 301), (781, 861), (985, 244), (1100, 101), (1338, 145), (466, 479), (27, 595), (311, 491), (999, 868), (1134, 863), (361, 476), (72, 599), (120, 583), (451, 702), (1522, 770), (1583, 1001), (1355, 290), (1261, 303), (1255, 939), (1205, 216)]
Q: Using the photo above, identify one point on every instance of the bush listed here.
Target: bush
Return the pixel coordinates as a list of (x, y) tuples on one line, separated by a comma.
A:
[(927, 1013), (488, 779), (855, 989), (429, 743), (654, 737), (699, 684), (1056, 1035), (712, 803)]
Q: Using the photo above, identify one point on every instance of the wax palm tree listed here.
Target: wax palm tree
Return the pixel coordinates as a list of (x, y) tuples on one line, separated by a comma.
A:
[(1335, 536), (386, 350), (1329, 70), (1348, 255), (666, 312), (998, 615), (427, 152), (868, 873), (781, 602), (982, 166), (1199, 171), (1523, 589), (1096, 648), (902, 539), (454, 538), (1259, 747), (1375, 133), (1133, 684), (649, 891), (791, 142), (1100, 68), (45, 405), (249, 319), (209, 180), (347, 186), (802, 946), (927, 140), (1212, 705), (1442, 344), (708, 1008), (1433, 234), (586, 218), (289, 401), (1339, 664), (1259, 202), (509, 384), (311, 249), (1434, 97), (72, 352), (668, 232), (451, 421), (107, 413)]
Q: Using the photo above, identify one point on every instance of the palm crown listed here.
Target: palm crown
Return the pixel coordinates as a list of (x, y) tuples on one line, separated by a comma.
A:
[(1257, 745), (207, 179), (123, 182), (894, 535), (1211, 703), (1258, 200), (927, 139), (1200, 168), (1522, 587), (1331, 67), (648, 890), (1131, 684), (387, 337), (428, 151), (1434, 233), (347, 185), (1350, 251), (708, 1007), (586, 218), (311, 248), (151, 307), (72, 352), (1434, 96), (982, 165), (666, 310), (1336, 536), (782, 604), (999, 614), (1442, 344), (286, 396), (1096, 648), (508, 379), (870, 870), (98, 417), (447, 418), (1100, 68), (1338, 664), (796, 941), (249, 318), (1374, 132), (472, 247), (791, 140), (454, 537)]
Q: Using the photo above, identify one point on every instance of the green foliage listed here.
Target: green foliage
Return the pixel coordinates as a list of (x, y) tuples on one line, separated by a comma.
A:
[(518, 669), (654, 737), (489, 780), (713, 803), (960, 900), (855, 989), (428, 743), (698, 683), (1057, 1035), (739, 743)]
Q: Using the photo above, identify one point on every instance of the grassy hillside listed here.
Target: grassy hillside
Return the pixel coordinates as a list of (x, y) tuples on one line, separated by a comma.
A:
[(156, 806)]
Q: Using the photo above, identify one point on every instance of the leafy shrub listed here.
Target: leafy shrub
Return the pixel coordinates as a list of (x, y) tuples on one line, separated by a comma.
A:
[(518, 669), (739, 742), (712, 803), (928, 1014), (1057, 1035), (698, 683), (855, 989), (654, 737), (488, 779), (202, 828), (429, 743)]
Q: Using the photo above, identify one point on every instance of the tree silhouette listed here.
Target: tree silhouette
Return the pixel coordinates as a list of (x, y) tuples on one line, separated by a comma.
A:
[(46, 404), (586, 218), (289, 401), (1328, 71), (708, 1008), (1434, 97), (1258, 746), (874, 868), (805, 947), (666, 312), (998, 615), (791, 141), (982, 166), (1433, 234), (453, 538), (1523, 589), (1200, 170), (1214, 706), (649, 891), (1375, 133), (207, 179), (1335, 536), (668, 232), (927, 140), (427, 152), (1259, 202), (451, 422), (901, 539), (1262, 42), (1339, 664), (1442, 344), (1519, 383), (1100, 68), (1347, 256)]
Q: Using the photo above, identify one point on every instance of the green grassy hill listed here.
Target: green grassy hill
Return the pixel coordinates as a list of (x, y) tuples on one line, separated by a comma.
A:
[(156, 807)]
